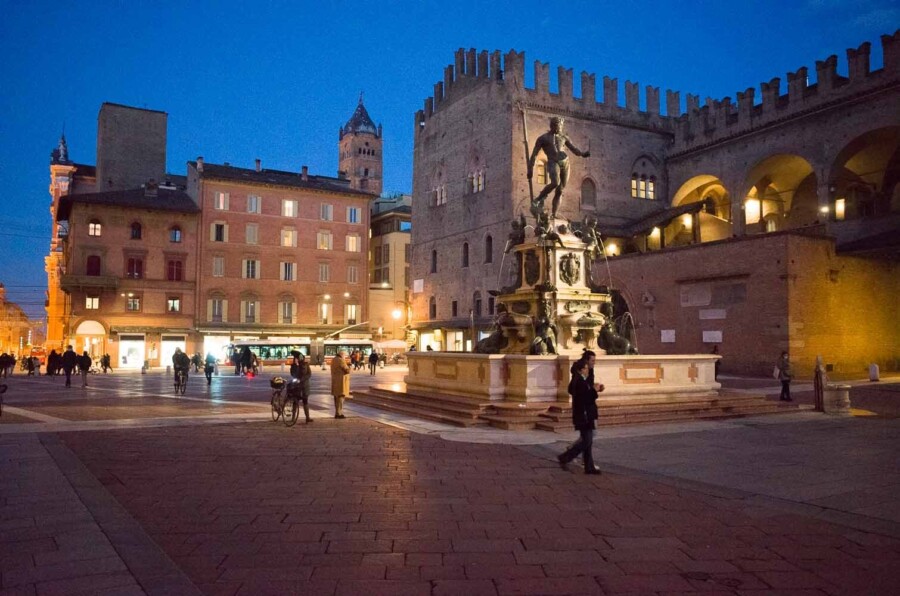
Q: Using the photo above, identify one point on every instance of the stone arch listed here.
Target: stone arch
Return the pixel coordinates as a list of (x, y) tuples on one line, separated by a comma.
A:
[(864, 178), (90, 335), (779, 194), (715, 218)]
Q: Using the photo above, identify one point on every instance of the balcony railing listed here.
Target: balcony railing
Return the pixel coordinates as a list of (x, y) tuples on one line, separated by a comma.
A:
[(69, 283)]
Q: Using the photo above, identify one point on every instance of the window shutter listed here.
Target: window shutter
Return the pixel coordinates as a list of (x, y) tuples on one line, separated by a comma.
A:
[(281, 271), (209, 310), (212, 232), (226, 201), (257, 270), (244, 268), (224, 311), (226, 232), (295, 271), (293, 313), (243, 311)]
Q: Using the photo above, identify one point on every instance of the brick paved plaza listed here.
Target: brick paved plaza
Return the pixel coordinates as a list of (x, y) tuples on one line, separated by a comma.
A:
[(121, 488)]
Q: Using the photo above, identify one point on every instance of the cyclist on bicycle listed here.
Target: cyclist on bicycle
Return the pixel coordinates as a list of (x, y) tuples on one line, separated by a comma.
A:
[(181, 362)]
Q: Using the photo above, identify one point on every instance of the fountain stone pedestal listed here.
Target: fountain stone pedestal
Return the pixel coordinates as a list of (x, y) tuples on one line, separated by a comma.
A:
[(553, 282)]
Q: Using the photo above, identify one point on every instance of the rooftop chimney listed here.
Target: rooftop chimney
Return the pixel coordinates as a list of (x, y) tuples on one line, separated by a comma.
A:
[(200, 164), (151, 188), (304, 173), (258, 164)]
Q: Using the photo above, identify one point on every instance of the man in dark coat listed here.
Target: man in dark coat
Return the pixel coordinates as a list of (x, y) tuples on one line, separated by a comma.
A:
[(584, 414), (209, 367), (301, 373), (69, 360)]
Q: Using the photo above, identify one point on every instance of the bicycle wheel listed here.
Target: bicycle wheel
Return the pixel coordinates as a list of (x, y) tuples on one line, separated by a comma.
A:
[(276, 405), (291, 412)]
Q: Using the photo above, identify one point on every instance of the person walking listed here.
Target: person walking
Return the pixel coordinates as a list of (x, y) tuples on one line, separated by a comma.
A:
[(373, 362), (209, 367), (301, 372), (29, 366), (69, 360), (784, 373), (84, 367), (584, 414), (52, 363), (340, 382)]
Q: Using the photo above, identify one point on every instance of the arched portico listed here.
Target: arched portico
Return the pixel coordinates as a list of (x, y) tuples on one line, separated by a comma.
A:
[(715, 218), (90, 336), (779, 193), (864, 179)]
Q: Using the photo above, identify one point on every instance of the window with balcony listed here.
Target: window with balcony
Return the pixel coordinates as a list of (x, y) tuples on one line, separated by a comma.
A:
[(351, 314), (325, 313), (249, 311), (92, 267), (286, 312), (134, 268), (174, 270), (216, 309)]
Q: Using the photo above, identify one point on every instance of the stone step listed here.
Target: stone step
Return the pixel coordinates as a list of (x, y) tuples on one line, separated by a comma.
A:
[(427, 405), (416, 412), (386, 390), (510, 422)]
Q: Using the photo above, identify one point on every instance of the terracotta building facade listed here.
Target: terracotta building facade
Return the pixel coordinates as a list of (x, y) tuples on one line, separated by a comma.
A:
[(142, 261), (810, 160)]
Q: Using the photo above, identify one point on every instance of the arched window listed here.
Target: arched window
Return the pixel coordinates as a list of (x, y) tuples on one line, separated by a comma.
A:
[(434, 261), (93, 265), (136, 231), (174, 234), (94, 228), (476, 304), (489, 249), (432, 308), (643, 178), (588, 194), (465, 254)]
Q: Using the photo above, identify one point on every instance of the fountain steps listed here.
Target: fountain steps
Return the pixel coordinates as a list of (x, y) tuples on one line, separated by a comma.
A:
[(468, 412)]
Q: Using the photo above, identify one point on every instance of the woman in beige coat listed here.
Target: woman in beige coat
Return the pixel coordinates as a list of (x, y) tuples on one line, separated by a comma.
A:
[(340, 382)]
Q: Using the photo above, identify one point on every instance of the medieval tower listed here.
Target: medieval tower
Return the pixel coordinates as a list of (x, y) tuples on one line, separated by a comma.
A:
[(360, 151)]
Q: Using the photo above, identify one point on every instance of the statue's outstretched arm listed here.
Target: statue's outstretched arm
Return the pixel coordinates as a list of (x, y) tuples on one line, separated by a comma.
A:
[(576, 150)]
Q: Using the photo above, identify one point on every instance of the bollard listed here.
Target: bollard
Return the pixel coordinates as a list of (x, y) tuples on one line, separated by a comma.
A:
[(168, 370), (873, 372), (837, 400)]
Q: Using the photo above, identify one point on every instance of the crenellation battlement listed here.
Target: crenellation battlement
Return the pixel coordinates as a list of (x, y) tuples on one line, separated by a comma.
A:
[(718, 120), (472, 69), (693, 126)]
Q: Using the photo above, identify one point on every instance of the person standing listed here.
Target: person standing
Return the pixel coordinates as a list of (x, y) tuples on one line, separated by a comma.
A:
[(69, 360), (584, 414), (785, 374), (340, 382), (209, 367), (373, 362), (301, 372), (84, 366)]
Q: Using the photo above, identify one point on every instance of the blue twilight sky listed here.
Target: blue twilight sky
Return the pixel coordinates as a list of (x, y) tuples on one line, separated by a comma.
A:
[(275, 80)]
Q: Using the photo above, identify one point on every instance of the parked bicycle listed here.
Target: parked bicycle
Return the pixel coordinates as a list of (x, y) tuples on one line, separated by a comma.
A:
[(180, 381), (285, 401)]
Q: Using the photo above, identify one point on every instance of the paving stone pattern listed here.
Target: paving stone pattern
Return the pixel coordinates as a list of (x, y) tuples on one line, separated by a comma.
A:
[(355, 507)]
